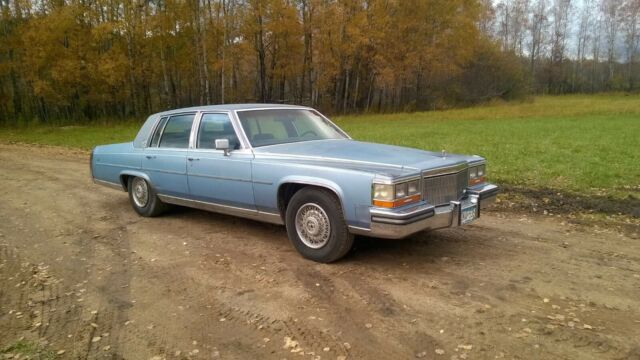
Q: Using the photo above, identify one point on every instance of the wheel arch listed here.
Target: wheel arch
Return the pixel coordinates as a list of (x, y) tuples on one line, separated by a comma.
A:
[(287, 187), (126, 174)]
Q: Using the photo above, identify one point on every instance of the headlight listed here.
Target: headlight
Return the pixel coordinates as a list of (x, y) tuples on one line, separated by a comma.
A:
[(476, 174), (383, 192), (413, 187), (390, 196), (480, 170)]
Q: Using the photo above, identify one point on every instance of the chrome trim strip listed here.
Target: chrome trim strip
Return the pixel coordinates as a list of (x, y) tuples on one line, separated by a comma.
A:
[(261, 182), (445, 170), (284, 107), (166, 149), (221, 152), (118, 165), (166, 171), (402, 214), (195, 126), (220, 177), (136, 152), (397, 180), (109, 184), (479, 161), (356, 230), (224, 209)]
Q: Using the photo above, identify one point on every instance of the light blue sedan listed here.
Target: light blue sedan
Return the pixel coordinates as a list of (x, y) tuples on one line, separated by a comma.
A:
[(291, 165)]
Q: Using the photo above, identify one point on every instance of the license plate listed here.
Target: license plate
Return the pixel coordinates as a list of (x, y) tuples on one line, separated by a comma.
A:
[(468, 214)]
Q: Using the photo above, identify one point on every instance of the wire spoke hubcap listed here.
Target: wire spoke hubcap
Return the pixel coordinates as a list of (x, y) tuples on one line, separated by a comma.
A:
[(313, 226), (140, 192)]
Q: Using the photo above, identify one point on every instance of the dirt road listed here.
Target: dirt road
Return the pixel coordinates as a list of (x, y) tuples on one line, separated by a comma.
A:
[(83, 276)]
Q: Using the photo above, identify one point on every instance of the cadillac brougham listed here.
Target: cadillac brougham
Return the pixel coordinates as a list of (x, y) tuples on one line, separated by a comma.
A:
[(291, 165)]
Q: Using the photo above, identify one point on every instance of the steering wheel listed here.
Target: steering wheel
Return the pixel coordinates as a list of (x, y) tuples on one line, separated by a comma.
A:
[(311, 132)]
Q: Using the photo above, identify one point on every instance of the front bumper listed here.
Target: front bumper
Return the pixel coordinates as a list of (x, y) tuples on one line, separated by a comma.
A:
[(400, 223)]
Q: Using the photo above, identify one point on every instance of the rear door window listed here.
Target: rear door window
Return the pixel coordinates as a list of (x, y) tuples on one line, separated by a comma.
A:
[(177, 132)]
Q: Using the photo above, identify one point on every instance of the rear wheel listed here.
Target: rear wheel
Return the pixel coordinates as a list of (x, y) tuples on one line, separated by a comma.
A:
[(143, 198), (316, 225)]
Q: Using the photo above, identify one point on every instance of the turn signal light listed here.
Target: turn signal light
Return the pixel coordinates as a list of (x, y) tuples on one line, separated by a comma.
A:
[(476, 181), (396, 203)]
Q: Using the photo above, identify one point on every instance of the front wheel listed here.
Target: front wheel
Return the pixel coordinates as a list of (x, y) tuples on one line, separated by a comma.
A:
[(316, 225), (143, 198)]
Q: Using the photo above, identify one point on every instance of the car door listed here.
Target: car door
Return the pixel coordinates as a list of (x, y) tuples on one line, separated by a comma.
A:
[(165, 160), (213, 176)]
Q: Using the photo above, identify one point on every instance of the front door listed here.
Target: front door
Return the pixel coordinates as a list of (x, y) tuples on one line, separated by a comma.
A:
[(213, 176), (165, 159)]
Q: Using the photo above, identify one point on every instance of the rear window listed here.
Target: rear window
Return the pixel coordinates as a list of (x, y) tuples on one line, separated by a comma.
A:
[(177, 132)]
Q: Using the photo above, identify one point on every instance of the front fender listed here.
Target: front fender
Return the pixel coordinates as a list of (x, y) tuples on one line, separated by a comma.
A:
[(309, 180)]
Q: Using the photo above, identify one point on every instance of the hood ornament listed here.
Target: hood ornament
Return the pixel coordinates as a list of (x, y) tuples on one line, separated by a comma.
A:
[(444, 153)]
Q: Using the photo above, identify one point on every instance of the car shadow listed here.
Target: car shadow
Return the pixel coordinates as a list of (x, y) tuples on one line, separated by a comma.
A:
[(468, 244), (423, 247)]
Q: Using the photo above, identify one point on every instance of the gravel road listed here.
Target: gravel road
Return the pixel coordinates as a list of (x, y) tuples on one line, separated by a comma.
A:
[(85, 277)]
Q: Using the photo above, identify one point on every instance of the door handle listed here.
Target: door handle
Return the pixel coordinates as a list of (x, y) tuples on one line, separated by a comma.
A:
[(150, 156), (193, 159)]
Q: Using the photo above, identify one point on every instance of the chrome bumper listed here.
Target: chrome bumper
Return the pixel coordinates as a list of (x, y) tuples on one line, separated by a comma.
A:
[(397, 224)]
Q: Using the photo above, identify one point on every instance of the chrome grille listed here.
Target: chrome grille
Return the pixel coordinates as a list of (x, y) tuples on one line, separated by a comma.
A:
[(442, 189)]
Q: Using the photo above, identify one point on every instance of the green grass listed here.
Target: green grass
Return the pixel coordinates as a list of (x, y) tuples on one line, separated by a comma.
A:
[(78, 137), (577, 143), (571, 143)]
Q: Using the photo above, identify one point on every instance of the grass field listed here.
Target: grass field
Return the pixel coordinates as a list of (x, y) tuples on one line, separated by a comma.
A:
[(581, 143)]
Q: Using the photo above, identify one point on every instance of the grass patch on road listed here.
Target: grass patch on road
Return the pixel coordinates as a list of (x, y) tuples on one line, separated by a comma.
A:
[(578, 143), (27, 350)]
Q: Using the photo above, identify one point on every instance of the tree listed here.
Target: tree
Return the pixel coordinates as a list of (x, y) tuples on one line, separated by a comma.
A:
[(611, 14), (630, 16)]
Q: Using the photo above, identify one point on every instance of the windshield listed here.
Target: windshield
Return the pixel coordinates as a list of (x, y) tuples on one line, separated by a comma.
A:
[(279, 126)]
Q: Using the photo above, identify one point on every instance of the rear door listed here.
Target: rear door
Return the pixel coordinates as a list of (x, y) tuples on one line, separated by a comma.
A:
[(214, 177), (165, 159)]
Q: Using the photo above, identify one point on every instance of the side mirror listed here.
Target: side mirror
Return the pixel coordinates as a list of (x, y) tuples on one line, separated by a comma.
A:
[(223, 144)]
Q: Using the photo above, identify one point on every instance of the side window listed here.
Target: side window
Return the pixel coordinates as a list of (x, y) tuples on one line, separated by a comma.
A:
[(216, 126), (176, 132), (156, 135)]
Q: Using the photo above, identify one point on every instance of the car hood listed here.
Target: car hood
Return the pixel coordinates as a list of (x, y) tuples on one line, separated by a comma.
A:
[(395, 160)]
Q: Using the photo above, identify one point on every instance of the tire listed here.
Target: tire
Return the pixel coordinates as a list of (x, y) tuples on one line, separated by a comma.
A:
[(315, 208), (150, 207)]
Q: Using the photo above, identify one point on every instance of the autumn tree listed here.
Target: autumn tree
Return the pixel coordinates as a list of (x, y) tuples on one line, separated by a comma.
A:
[(78, 60)]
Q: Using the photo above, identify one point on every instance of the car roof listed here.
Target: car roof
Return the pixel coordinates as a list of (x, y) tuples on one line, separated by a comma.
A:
[(231, 107)]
